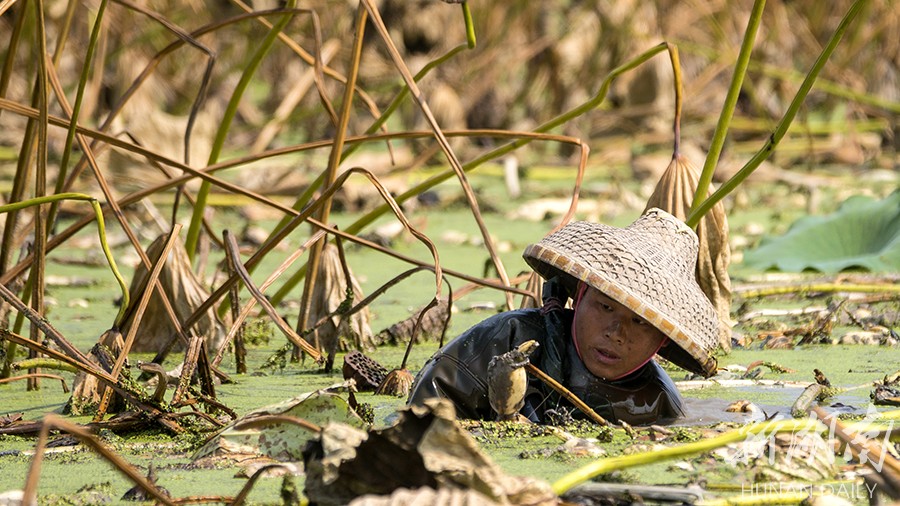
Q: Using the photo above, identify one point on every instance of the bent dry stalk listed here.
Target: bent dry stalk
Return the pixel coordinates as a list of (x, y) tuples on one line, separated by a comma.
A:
[(55, 422)]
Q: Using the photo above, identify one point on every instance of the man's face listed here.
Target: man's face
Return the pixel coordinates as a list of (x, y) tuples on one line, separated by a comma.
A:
[(613, 340)]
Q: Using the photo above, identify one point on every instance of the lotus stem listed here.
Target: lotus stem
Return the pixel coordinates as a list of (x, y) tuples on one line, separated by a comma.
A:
[(101, 228), (769, 147), (606, 465), (193, 234), (737, 80), (760, 499), (470, 25)]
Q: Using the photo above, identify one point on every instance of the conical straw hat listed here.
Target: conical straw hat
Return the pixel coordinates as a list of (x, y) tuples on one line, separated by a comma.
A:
[(648, 267)]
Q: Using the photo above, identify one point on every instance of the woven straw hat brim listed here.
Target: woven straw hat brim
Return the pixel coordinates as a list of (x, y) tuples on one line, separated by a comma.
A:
[(649, 268)]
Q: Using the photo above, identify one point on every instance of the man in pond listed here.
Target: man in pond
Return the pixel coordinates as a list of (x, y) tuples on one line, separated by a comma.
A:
[(633, 295)]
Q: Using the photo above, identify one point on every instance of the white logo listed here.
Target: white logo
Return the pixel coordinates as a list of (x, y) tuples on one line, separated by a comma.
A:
[(805, 444)]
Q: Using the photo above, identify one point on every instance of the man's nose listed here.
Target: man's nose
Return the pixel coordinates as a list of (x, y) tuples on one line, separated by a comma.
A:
[(614, 330)]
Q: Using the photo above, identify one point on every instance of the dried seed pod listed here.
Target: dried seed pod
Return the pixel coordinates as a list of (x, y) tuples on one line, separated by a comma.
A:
[(396, 383), (186, 293), (87, 389), (367, 373)]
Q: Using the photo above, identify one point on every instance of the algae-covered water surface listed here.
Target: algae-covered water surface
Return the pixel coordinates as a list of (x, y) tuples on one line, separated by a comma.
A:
[(73, 474), (82, 297)]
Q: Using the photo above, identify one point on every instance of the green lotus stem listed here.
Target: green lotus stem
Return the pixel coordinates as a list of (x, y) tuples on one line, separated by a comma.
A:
[(470, 25), (101, 228), (699, 210), (731, 98), (46, 199), (816, 287), (76, 109), (44, 363), (606, 465), (193, 234)]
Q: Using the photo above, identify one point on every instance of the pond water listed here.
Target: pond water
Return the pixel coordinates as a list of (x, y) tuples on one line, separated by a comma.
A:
[(83, 313)]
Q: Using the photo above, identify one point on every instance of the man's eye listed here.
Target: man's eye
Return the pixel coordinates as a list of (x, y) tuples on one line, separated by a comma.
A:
[(606, 307), (639, 321)]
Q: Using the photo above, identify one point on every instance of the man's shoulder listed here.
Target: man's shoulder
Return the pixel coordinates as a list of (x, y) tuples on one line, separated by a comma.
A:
[(506, 324)]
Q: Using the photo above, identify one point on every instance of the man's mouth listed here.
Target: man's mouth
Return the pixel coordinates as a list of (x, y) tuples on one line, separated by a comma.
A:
[(606, 356)]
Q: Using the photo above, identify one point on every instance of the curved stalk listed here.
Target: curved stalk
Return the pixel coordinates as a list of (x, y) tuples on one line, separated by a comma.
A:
[(495, 153), (101, 228)]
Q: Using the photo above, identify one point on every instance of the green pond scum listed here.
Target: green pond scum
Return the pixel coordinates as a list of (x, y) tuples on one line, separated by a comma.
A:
[(75, 475)]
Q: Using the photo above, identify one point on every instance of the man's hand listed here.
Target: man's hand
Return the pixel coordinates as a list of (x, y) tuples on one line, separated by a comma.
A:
[(507, 381)]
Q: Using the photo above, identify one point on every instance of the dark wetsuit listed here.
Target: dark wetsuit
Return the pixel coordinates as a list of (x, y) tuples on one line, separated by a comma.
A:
[(458, 372)]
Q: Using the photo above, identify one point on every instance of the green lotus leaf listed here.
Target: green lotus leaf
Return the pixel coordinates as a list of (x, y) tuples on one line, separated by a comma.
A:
[(864, 233)]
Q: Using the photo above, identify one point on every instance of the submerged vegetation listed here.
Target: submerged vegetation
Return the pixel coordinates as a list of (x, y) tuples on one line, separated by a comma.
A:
[(205, 208)]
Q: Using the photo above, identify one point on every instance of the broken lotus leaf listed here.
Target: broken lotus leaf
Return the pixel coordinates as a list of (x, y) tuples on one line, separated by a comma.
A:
[(186, 293), (424, 448), (674, 193), (863, 233), (87, 388), (282, 441)]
